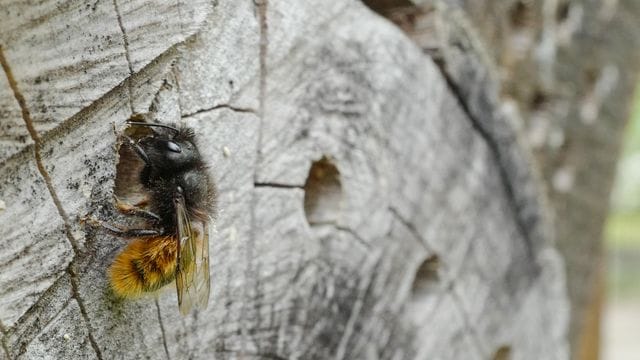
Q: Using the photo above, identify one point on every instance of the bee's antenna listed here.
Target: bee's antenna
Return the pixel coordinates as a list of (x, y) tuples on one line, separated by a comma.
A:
[(137, 123)]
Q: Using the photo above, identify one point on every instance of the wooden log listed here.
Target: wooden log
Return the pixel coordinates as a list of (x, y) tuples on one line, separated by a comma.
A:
[(364, 210), (570, 69)]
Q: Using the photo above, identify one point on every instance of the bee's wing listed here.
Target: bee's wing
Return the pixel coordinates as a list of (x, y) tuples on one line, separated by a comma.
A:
[(192, 272), (203, 282)]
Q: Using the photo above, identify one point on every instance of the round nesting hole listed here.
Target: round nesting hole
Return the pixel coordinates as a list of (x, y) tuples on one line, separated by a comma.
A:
[(128, 168), (323, 193), (503, 353), (538, 100), (562, 11), (520, 14), (427, 278)]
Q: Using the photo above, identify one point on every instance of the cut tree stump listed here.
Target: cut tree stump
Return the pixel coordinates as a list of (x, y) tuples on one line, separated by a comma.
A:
[(366, 210), (570, 68)]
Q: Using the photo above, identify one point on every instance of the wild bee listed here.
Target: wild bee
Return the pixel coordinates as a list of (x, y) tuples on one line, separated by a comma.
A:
[(179, 205)]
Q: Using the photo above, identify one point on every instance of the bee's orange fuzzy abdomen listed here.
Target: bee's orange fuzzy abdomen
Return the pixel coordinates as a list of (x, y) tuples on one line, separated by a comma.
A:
[(145, 265)]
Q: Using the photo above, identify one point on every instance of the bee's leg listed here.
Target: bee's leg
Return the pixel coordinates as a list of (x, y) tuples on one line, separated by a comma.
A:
[(135, 210), (137, 148), (131, 233), (124, 233)]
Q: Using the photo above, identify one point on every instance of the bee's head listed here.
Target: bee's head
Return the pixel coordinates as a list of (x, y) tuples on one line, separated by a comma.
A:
[(170, 148)]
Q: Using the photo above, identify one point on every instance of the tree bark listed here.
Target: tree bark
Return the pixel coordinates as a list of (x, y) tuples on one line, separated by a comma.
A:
[(369, 207)]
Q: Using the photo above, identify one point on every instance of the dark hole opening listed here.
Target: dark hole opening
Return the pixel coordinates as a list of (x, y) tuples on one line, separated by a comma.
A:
[(323, 193), (520, 14), (503, 353), (538, 100), (384, 6), (427, 277), (562, 12), (128, 167)]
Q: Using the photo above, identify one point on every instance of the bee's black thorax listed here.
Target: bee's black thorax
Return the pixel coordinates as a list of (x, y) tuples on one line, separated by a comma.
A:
[(174, 163)]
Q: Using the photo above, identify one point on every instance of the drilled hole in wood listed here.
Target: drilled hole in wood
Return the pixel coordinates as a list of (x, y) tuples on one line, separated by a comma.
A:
[(503, 353), (384, 6), (520, 14), (562, 12), (427, 277), (538, 100), (411, 18), (127, 183), (323, 193), (591, 76)]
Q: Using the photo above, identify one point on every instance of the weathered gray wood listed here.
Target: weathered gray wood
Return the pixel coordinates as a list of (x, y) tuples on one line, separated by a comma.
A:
[(32, 233), (570, 68), (13, 134), (424, 256), (78, 51)]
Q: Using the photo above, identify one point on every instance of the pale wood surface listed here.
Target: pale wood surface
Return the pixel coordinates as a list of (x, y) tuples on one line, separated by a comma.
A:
[(270, 89)]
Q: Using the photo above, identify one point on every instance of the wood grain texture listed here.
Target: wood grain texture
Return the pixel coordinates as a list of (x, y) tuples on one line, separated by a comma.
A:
[(13, 134), (67, 54), (569, 70), (32, 233), (419, 255)]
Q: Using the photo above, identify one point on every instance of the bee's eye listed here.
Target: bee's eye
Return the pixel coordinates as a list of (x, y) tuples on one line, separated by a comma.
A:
[(174, 147)]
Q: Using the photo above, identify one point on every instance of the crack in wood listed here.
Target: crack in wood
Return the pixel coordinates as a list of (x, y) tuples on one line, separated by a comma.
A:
[(468, 326), (33, 308), (125, 41), (412, 229), (489, 138), (264, 48), (83, 310), (448, 283), (26, 116), (250, 272), (262, 7), (81, 117), (23, 347), (354, 233), (220, 106), (64, 306), (277, 185), (503, 173), (164, 335), (39, 140)]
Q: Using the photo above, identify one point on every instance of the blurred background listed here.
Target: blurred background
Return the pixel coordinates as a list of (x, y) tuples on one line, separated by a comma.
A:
[(621, 328), (566, 71)]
